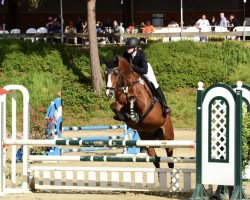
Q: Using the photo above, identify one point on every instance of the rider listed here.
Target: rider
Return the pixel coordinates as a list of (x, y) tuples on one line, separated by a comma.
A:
[(135, 55)]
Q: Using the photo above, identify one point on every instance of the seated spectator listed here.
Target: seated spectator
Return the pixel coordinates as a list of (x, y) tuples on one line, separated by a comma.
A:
[(141, 27), (233, 22), (148, 28), (122, 30), (85, 26), (70, 28), (79, 29), (131, 28), (49, 24), (213, 23), (173, 24), (109, 25), (115, 29), (99, 27)]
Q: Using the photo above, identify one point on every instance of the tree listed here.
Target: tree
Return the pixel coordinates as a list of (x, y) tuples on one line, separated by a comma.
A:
[(97, 81)]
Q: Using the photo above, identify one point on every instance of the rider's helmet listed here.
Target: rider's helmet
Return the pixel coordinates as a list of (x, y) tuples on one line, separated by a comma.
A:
[(132, 43)]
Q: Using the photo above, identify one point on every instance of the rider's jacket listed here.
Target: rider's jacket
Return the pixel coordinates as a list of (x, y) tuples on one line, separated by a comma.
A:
[(139, 61)]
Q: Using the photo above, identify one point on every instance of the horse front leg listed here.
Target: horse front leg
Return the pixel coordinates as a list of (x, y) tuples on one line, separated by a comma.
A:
[(116, 107), (133, 115)]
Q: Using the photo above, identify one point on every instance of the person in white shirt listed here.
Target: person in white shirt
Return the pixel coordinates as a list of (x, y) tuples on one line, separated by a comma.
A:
[(203, 22), (203, 25)]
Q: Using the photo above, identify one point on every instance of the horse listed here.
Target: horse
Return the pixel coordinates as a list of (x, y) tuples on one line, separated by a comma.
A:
[(136, 105)]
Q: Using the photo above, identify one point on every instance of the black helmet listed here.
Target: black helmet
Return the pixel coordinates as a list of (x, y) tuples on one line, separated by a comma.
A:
[(132, 42)]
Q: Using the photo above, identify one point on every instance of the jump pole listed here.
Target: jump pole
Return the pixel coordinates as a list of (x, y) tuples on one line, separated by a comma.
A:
[(114, 159), (105, 143)]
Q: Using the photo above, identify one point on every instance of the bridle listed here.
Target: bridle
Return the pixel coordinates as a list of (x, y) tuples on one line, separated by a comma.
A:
[(123, 87), (109, 72)]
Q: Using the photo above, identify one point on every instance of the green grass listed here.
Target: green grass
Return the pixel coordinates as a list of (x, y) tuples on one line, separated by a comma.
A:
[(242, 74)]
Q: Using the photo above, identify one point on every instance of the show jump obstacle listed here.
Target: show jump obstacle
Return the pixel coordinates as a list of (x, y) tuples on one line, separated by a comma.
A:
[(218, 152), (55, 130)]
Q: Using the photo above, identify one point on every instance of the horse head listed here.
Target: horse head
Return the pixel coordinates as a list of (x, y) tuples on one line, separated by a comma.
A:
[(117, 72), (112, 76)]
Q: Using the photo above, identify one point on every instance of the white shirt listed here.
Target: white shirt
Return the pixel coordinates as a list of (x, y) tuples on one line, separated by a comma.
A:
[(203, 23)]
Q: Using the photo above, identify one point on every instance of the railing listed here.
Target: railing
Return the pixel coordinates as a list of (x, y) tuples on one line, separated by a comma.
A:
[(182, 35)]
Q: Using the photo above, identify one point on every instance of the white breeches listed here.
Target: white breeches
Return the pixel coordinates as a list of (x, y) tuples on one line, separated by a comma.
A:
[(151, 76)]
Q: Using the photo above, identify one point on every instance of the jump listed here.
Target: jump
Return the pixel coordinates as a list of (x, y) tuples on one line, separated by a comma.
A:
[(137, 105)]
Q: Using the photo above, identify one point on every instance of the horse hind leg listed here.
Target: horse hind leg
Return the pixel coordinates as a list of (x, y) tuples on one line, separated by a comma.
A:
[(170, 154), (151, 151), (166, 133)]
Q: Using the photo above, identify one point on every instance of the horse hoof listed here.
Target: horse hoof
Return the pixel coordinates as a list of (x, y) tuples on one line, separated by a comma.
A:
[(116, 118)]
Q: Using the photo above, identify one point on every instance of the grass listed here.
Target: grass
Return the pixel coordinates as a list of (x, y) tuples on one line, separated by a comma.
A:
[(242, 74)]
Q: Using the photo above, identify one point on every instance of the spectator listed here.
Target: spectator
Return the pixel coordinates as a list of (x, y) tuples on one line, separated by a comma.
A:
[(49, 24), (141, 27), (70, 28), (57, 24), (99, 27), (109, 25), (223, 20), (148, 28), (213, 23), (234, 22), (122, 30), (78, 25), (173, 24), (115, 29), (85, 27), (79, 29), (131, 28), (202, 23)]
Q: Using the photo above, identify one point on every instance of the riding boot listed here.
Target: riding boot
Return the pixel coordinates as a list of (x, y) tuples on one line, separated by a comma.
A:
[(160, 95)]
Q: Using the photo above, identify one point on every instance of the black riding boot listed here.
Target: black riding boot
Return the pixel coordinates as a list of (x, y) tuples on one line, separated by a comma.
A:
[(160, 95)]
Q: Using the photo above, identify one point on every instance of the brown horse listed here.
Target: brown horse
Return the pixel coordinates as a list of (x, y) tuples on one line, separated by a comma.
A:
[(136, 105)]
